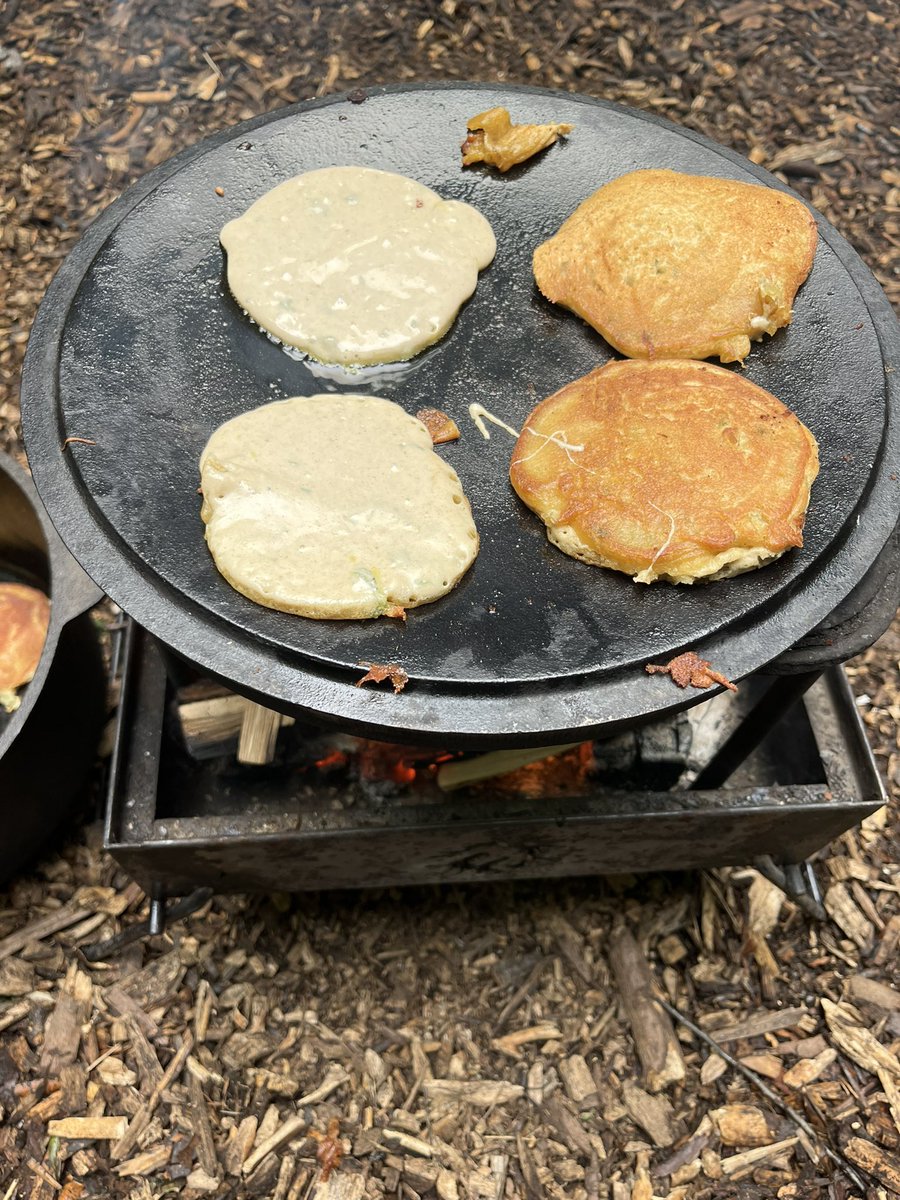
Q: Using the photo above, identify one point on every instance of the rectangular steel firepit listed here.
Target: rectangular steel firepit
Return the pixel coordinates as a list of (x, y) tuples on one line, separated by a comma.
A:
[(176, 823)]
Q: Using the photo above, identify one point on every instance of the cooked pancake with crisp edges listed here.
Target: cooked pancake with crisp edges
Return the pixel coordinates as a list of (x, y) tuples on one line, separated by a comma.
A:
[(334, 506), (667, 265), (356, 266), (668, 470)]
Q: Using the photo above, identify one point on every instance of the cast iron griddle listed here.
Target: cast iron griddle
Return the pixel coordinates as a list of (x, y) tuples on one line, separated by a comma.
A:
[(140, 347)]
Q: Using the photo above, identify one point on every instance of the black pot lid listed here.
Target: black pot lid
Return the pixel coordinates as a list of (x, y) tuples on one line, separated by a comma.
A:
[(139, 347)]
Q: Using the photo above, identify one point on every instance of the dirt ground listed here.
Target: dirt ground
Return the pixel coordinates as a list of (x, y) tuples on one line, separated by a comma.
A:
[(459, 1042)]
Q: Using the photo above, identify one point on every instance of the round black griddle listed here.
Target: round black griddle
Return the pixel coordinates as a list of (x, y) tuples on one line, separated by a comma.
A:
[(140, 347)]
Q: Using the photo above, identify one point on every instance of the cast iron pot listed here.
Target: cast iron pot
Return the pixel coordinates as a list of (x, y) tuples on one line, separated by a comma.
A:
[(47, 746)]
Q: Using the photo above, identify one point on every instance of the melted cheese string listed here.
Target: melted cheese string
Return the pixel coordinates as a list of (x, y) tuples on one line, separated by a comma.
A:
[(649, 574), (558, 438), (480, 414)]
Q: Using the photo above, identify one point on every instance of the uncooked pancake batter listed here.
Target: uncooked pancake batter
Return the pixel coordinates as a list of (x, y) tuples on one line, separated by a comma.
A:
[(356, 266), (334, 506)]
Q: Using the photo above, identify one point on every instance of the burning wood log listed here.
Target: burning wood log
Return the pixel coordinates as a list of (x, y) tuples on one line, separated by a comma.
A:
[(466, 771)]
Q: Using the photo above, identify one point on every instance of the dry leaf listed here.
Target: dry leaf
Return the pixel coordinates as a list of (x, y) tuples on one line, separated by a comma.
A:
[(689, 670), (378, 672)]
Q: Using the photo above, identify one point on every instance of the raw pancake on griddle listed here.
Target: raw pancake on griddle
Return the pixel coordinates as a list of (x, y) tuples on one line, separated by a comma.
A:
[(356, 266), (669, 469), (334, 506), (667, 265)]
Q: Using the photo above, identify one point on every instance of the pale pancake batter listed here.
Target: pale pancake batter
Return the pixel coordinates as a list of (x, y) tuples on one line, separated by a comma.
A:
[(356, 266), (334, 506)]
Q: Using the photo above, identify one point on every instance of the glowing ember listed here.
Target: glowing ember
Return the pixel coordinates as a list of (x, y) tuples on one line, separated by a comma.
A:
[(337, 758), (385, 761), (563, 775), (415, 767), (403, 773)]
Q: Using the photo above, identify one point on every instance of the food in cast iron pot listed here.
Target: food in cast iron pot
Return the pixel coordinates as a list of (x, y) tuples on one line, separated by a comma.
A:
[(24, 620)]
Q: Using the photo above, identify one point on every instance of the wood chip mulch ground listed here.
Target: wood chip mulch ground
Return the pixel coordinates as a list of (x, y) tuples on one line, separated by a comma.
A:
[(485, 1042)]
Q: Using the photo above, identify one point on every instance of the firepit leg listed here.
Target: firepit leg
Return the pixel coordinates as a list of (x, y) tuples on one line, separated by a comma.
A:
[(783, 694), (812, 883), (157, 922), (797, 881)]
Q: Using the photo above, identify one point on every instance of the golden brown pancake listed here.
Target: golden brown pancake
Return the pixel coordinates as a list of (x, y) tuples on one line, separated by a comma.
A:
[(670, 470), (667, 265), (24, 619)]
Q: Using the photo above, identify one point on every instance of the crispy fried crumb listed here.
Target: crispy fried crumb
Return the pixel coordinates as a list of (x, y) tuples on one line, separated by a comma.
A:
[(493, 139), (689, 670), (330, 1150), (377, 673), (441, 427)]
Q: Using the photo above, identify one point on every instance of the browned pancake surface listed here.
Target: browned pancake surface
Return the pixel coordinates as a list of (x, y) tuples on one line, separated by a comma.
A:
[(670, 470), (24, 618), (667, 265)]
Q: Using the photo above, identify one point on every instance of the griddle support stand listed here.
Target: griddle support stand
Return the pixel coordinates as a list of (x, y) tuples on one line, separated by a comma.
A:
[(797, 881), (781, 696), (157, 922)]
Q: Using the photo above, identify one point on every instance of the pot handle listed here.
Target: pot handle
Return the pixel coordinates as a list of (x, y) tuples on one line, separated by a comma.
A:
[(73, 590)]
